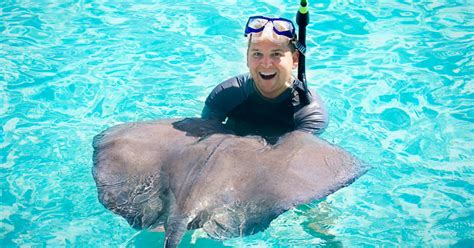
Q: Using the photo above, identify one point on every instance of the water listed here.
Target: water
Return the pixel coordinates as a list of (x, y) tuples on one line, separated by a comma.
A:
[(397, 78)]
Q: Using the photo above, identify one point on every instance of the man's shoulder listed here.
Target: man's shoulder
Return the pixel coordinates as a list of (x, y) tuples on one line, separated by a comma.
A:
[(230, 93), (238, 86), (309, 93), (239, 81)]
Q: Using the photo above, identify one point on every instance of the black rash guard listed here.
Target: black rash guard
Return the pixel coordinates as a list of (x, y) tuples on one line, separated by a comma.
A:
[(250, 113)]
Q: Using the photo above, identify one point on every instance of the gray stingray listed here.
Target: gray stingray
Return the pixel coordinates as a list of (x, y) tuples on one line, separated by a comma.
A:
[(193, 173)]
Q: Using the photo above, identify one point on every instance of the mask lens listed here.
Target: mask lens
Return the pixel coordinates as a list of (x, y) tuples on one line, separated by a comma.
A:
[(257, 23), (282, 25)]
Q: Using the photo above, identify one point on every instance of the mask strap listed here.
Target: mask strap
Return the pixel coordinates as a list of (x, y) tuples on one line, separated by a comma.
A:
[(300, 47)]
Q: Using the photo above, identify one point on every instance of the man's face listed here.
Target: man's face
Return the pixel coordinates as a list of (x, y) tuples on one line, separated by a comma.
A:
[(270, 64)]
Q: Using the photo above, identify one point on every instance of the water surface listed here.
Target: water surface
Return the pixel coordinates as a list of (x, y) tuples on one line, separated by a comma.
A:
[(397, 79)]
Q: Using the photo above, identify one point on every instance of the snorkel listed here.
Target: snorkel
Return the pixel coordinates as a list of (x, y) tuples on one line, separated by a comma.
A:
[(302, 19)]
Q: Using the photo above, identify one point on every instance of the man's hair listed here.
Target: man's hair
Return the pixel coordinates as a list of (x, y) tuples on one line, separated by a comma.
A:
[(292, 46)]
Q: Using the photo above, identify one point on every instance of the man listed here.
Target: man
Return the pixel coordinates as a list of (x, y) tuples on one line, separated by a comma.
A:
[(268, 101)]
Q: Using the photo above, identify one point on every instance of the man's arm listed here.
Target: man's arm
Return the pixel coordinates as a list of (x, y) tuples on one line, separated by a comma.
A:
[(312, 118), (208, 113)]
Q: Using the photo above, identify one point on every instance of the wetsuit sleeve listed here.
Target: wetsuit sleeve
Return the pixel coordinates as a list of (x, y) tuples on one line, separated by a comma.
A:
[(225, 97), (312, 118)]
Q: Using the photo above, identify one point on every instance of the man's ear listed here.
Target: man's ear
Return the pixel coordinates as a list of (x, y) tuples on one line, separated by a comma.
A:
[(295, 56)]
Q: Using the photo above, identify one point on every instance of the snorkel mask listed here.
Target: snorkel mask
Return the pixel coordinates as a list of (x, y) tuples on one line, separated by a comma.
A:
[(278, 30)]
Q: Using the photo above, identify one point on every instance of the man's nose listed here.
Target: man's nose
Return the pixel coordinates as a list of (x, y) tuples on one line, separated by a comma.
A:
[(267, 61)]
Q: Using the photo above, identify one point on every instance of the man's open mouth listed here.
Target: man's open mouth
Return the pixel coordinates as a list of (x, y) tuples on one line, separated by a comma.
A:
[(267, 76)]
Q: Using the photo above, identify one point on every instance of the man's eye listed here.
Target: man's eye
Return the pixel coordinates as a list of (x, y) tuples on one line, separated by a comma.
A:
[(277, 54), (257, 54)]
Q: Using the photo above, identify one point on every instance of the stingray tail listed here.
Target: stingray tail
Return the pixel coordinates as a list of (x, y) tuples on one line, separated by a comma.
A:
[(175, 228)]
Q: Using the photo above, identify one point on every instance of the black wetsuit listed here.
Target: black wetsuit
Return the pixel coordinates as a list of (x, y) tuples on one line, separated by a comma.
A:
[(248, 112)]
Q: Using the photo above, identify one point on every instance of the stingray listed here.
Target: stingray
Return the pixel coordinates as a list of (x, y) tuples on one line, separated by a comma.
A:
[(192, 173)]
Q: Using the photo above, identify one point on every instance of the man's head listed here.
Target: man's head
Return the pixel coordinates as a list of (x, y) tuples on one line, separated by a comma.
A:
[(271, 54)]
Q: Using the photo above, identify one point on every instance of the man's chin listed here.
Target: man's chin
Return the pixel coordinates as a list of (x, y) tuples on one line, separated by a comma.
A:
[(265, 90), (265, 85)]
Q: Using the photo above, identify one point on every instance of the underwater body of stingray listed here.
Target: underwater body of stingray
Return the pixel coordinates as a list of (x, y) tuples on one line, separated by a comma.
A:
[(194, 173)]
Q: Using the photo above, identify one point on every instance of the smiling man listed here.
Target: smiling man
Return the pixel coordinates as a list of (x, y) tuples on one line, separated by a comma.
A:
[(269, 101)]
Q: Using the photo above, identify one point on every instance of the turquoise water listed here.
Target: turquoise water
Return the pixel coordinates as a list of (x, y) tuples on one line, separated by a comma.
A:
[(397, 78)]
